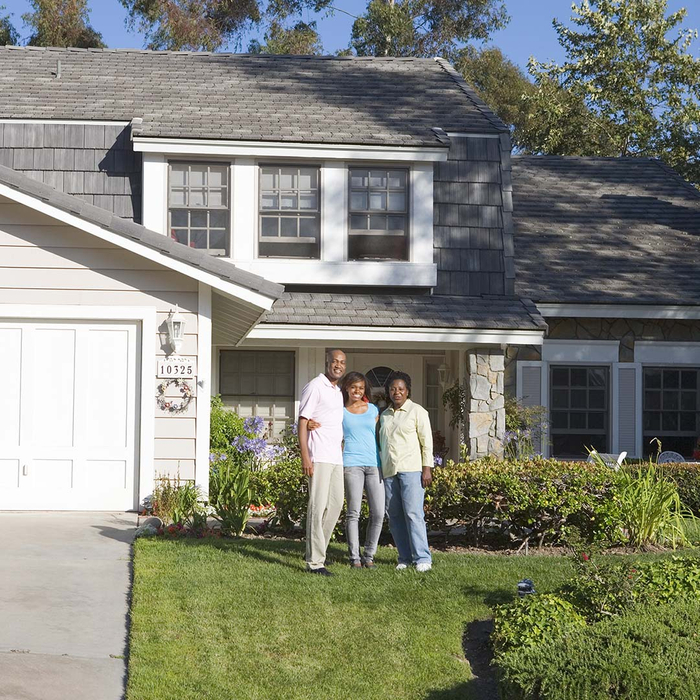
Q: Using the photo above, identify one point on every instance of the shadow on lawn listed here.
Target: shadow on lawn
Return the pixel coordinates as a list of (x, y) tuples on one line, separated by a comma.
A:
[(483, 685)]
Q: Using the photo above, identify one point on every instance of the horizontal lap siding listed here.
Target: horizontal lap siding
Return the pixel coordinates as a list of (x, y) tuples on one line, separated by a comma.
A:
[(45, 263)]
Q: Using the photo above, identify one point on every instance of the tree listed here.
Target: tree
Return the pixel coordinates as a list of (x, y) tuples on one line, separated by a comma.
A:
[(8, 34), (210, 25), (629, 86), (424, 28), (501, 84), (61, 23), (301, 39)]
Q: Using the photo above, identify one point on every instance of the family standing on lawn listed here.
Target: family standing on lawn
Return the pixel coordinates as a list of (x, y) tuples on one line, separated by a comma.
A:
[(347, 447)]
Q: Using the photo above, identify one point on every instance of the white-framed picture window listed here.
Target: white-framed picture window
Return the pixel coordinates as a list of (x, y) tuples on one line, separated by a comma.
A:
[(289, 212), (378, 228), (198, 205)]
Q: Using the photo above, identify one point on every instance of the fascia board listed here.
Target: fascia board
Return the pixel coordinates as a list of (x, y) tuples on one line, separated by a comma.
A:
[(312, 334), (275, 149), (235, 291), (650, 311)]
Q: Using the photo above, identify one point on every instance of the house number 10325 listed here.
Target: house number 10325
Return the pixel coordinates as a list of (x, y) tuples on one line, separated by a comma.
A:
[(185, 367)]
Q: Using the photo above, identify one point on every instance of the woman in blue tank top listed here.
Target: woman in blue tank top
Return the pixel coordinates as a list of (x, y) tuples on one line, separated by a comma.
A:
[(361, 468)]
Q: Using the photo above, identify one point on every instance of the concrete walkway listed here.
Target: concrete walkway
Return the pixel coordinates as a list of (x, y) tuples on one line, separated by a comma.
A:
[(64, 589)]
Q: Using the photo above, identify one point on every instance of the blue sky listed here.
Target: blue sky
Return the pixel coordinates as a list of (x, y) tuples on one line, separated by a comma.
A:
[(529, 33)]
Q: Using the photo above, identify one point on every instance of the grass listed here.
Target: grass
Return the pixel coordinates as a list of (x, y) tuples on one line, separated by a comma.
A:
[(225, 620)]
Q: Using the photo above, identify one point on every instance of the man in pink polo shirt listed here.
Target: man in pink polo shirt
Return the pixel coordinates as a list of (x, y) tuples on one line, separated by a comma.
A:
[(322, 458)]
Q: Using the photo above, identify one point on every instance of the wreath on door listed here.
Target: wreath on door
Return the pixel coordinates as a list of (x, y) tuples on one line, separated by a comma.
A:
[(167, 404)]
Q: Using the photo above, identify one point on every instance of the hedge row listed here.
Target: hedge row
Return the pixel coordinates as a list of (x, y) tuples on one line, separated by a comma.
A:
[(648, 652)]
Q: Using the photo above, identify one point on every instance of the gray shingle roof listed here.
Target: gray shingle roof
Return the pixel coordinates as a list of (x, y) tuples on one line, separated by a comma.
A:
[(328, 99), (412, 312), (122, 227), (605, 230)]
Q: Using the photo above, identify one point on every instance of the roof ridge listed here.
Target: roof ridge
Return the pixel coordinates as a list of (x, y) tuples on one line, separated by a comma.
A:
[(485, 110), (223, 54), (672, 171)]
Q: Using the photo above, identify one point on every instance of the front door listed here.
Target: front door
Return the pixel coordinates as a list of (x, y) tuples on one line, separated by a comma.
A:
[(377, 366)]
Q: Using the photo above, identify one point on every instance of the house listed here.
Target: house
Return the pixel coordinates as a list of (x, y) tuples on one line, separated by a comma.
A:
[(176, 225)]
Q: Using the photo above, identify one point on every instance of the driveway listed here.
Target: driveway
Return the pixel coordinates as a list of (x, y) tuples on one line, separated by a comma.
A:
[(64, 587)]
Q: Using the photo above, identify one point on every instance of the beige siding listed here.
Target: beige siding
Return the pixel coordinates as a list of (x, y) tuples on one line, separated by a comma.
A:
[(42, 262)]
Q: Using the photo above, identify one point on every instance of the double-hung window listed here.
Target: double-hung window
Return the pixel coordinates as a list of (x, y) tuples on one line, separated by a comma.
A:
[(198, 209), (290, 212), (378, 214), (579, 401), (671, 408)]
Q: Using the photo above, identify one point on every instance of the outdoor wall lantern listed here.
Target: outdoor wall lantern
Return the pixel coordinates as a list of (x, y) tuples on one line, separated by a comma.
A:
[(444, 376), (176, 329)]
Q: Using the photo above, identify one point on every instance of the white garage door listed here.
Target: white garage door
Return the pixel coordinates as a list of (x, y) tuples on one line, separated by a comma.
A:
[(67, 415)]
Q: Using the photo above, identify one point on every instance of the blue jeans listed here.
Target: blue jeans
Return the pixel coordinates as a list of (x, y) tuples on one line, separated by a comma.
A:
[(404, 506)]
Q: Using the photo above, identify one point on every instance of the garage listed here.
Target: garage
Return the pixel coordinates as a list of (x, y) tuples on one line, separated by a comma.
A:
[(68, 417)]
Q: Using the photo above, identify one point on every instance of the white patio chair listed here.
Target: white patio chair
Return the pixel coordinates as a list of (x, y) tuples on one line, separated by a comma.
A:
[(670, 456), (612, 460)]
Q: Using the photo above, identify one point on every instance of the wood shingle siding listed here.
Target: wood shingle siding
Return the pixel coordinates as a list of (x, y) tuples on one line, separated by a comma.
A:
[(92, 161)]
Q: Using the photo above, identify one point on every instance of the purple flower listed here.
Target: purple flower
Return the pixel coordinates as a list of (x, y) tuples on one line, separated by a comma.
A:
[(437, 460), (244, 444), (254, 425), (294, 427)]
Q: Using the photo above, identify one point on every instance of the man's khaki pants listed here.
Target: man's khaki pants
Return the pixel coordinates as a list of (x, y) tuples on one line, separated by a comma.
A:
[(325, 504)]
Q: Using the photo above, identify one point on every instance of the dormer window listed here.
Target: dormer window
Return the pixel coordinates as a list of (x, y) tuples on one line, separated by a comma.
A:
[(290, 212), (198, 210), (378, 214)]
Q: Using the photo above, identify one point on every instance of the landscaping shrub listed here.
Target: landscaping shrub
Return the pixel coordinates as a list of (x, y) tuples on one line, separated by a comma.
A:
[(532, 620), (649, 652), (178, 502), (687, 479), (540, 500)]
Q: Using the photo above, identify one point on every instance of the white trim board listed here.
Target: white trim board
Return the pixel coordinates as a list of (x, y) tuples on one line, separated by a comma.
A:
[(280, 149), (236, 291), (72, 122), (147, 318), (666, 353), (618, 311), (460, 135), (370, 336), (595, 351)]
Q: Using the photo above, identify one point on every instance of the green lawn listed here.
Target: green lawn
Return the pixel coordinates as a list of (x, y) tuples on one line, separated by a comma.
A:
[(220, 620)]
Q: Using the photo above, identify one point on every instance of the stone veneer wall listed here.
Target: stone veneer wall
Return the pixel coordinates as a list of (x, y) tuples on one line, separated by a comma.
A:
[(627, 331), (485, 402)]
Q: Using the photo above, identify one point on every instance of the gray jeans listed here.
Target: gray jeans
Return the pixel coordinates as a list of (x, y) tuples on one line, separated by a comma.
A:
[(369, 479)]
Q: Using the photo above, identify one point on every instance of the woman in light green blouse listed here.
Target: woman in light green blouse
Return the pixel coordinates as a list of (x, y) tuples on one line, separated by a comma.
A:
[(406, 446)]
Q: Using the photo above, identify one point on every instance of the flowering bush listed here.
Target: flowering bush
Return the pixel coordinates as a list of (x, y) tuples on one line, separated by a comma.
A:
[(525, 427)]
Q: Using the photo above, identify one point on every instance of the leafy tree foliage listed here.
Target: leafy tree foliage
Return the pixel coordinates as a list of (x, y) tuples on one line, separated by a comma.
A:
[(210, 25), (301, 39), (629, 86), (424, 27), (61, 23), (8, 34), (501, 84)]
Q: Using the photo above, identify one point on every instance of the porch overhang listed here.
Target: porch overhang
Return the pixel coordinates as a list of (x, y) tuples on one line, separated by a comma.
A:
[(306, 335)]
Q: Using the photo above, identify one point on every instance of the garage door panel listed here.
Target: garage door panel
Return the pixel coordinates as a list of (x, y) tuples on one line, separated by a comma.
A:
[(53, 392), (68, 419), (51, 475), (106, 476), (11, 364), (107, 388), (9, 474)]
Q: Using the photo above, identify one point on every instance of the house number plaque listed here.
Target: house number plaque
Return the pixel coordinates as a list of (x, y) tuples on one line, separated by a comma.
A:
[(176, 367)]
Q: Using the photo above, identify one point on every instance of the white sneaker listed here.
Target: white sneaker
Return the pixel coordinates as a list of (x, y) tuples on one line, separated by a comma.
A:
[(401, 567), (426, 566)]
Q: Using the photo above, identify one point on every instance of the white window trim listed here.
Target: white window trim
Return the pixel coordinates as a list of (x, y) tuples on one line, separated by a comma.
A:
[(672, 354), (577, 351), (333, 268), (618, 311)]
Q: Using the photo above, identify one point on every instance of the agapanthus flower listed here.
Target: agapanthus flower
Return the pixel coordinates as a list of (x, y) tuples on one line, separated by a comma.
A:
[(254, 425), (437, 460)]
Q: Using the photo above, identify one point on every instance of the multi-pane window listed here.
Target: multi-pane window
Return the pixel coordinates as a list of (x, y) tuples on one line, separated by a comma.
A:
[(433, 393), (289, 212), (579, 404), (378, 214), (671, 408), (198, 213), (259, 383)]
